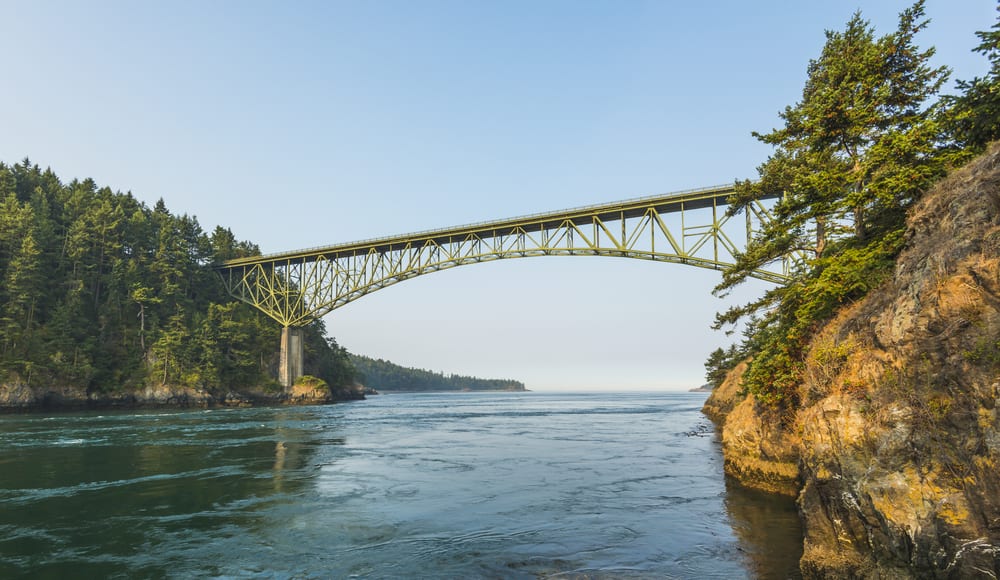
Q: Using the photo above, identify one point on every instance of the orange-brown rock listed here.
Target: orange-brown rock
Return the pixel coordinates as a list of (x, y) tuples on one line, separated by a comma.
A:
[(897, 438)]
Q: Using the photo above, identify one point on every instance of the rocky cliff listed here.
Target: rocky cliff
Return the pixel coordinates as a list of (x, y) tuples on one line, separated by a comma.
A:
[(894, 451), (760, 448)]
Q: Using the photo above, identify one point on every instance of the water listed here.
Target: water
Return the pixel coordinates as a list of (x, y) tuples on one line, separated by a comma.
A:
[(486, 485)]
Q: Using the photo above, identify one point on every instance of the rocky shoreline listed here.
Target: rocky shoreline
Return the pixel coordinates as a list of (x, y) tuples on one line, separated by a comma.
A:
[(18, 397), (893, 448), (757, 449)]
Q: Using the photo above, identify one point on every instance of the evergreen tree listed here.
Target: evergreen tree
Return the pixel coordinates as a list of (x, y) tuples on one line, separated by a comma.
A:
[(852, 156), (100, 291), (383, 375), (719, 363), (975, 114), (21, 280)]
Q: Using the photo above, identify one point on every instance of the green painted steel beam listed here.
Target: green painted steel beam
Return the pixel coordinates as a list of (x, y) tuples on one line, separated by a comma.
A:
[(296, 287), (664, 204)]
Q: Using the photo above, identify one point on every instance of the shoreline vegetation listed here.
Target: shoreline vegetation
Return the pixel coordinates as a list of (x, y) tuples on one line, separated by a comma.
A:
[(868, 387), (106, 302), (21, 399), (385, 376), (896, 436)]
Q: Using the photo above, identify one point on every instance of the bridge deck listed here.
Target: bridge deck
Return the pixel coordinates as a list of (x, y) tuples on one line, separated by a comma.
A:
[(691, 199)]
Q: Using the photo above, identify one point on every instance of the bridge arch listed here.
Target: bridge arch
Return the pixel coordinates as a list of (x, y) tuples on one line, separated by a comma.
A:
[(690, 228)]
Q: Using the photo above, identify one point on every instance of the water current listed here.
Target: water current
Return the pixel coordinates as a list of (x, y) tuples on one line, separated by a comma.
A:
[(486, 485)]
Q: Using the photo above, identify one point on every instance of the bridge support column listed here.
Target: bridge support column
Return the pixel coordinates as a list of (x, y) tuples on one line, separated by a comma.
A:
[(290, 362)]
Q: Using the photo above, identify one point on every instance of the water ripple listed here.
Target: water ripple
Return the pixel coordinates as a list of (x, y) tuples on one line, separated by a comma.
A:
[(480, 485)]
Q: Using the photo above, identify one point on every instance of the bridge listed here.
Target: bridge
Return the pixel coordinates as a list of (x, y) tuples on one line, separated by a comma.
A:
[(689, 227)]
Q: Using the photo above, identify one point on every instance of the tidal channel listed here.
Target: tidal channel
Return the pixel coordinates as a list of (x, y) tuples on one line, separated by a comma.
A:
[(485, 485)]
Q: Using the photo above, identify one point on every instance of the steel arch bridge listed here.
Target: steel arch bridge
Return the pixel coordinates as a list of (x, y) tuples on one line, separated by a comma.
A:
[(689, 227)]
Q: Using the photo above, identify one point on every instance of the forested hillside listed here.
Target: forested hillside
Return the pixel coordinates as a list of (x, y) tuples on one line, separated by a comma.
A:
[(383, 375), (100, 291)]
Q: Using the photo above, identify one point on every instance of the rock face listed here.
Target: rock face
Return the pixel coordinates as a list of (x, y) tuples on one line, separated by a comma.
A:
[(897, 440), (760, 450), (900, 446)]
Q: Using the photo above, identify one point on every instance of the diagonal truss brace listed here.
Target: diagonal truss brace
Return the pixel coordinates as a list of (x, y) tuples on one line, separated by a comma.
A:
[(690, 228)]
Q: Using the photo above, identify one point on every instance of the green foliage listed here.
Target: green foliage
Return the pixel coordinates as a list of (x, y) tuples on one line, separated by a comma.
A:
[(312, 382), (986, 353), (845, 275), (99, 290), (974, 116), (719, 363), (857, 150), (383, 375), (325, 358), (776, 372)]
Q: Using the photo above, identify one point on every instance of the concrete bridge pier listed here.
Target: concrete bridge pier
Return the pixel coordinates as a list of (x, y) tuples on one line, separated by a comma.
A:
[(290, 362)]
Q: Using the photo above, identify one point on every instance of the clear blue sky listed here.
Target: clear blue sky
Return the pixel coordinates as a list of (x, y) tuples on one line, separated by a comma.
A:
[(301, 124)]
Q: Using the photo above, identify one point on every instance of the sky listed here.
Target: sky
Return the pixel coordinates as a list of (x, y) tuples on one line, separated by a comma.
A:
[(303, 124)]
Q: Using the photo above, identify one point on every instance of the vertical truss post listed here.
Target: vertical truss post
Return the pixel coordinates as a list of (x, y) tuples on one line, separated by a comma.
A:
[(715, 229), (294, 288), (747, 211), (624, 238), (683, 232)]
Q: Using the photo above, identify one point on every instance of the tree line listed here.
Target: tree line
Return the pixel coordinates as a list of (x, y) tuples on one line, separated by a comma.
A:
[(869, 136), (98, 290), (383, 375)]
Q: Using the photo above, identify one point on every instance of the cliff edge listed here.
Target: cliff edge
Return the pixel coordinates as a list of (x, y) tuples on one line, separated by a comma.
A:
[(760, 448), (896, 442)]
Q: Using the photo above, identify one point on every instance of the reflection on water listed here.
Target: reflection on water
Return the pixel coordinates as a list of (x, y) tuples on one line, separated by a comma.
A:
[(475, 485), (769, 530), (90, 495)]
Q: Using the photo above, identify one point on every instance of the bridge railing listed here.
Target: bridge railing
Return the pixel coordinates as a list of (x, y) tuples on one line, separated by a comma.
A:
[(689, 227), (295, 287), (677, 197)]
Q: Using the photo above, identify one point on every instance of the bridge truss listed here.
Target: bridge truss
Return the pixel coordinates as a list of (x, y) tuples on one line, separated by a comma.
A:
[(689, 227)]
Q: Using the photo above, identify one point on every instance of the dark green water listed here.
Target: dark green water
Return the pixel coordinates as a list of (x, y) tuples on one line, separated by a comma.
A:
[(437, 485)]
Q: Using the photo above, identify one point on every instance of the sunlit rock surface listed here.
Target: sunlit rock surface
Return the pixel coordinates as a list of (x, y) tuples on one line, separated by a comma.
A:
[(897, 440)]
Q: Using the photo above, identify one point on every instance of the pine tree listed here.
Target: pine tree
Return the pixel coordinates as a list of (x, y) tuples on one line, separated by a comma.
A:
[(98, 290), (859, 146), (857, 150), (22, 280), (975, 114), (719, 363)]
